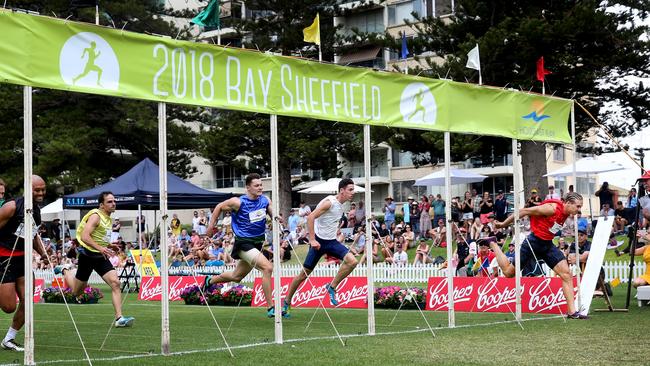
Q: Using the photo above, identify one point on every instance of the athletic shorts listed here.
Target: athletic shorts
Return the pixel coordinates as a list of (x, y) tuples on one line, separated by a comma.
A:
[(89, 262), (331, 247), (14, 267), (467, 216), (535, 248), (243, 244)]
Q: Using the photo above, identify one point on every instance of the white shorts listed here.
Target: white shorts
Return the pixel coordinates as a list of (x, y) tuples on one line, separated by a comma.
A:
[(468, 216), (251, 256)]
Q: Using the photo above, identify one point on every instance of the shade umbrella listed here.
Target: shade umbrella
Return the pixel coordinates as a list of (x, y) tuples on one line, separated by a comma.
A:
[(458, 176), (587, 167), (331, 186)]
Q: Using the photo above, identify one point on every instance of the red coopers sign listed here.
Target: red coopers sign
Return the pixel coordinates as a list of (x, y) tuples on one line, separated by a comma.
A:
[(482, 294), (151, 288), (352, 292)]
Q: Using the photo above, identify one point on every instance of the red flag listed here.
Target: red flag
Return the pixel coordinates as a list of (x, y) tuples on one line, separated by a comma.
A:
[(541, 71)]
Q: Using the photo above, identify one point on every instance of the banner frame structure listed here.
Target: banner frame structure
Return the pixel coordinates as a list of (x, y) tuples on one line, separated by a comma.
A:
[(29, 339), (28, 224), (164, 260)]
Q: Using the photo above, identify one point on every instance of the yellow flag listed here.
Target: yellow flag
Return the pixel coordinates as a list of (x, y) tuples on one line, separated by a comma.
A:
[(312, 33), (615, 282)]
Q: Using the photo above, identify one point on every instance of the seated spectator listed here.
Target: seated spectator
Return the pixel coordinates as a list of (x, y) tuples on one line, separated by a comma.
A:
[(184, 236), (375, 256), (330, 260), (475, 229), (439, 234), (422, 253), (358, 242), (485, 232), (409, 236), (607, 210), (462, 255), (387, 248), (400, 258), (563, 246), (620, 222), (484, 259), (644, 252), (584, 246)]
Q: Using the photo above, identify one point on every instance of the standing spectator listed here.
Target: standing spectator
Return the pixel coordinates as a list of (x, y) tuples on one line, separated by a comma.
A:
[(425, 219), (466, 207), (534, 199), (476, 204), (552, 195), (227, 222), (294, 220), (203, 223), (455, 210), (115, 230), (438, 208), (606, 195), (432, 211), (389, 211), (195, 221), (632, 199), (175, 225), (486, 207), (56, 230), (360, 215), (303, 211), (501, 206), (415, 217), (142, 226)]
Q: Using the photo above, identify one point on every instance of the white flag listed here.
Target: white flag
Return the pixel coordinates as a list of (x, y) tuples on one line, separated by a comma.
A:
[(473, 59)]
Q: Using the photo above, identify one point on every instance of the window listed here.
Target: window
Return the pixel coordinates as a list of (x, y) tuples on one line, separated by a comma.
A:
[(582, 186), (399, 12), (367, 22), (443, 7), (560, 185), (558, 153), (403, 189), (402, 158)]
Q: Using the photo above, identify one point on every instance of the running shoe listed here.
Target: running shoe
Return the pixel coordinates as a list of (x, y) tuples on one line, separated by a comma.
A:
[(206, 283), (332, 293), (124, 321), (12, 346), (577, 315), (286, 309), (271, 312)]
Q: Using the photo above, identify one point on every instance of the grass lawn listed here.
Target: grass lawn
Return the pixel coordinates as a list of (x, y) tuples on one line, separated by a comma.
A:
[(602, 340)]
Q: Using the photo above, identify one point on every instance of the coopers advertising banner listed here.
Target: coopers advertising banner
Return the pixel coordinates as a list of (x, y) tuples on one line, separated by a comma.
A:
[(352, 292), (53, 53), (482, 294), (151, 287)]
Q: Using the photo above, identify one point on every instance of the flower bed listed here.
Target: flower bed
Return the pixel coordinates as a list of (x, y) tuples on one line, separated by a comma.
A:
[(91, 295), (392, 296), (214, 295)]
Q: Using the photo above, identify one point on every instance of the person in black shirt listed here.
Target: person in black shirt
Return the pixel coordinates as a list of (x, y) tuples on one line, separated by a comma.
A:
[(12, 261), (606, 195), (534, 199)]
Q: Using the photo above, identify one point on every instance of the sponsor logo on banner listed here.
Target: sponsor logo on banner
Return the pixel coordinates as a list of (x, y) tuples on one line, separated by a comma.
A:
[(482, 294), (87, 60), (151, 287), (418, 105), (352, 292), (39, 287)]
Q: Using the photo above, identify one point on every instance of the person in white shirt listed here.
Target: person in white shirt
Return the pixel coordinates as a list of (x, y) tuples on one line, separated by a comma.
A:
[(400, 257), (323, 225), (551, 194)]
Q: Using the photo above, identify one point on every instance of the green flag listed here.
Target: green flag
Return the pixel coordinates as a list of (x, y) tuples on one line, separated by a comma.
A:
[(209, 16)]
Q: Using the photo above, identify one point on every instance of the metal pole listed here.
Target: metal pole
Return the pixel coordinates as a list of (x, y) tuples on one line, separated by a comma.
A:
[(450, 273), (369, 244), (275, 192), (516, 173), (575, 187), (164, 270), (29, 279)]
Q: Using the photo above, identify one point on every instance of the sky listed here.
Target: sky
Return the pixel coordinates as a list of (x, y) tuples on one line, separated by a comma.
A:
[(626, 178)]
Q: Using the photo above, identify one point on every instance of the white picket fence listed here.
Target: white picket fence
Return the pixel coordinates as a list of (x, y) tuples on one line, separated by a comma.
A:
[(382, 272)]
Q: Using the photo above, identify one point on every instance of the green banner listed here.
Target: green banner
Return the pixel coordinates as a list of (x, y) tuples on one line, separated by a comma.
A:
[(52, 53)]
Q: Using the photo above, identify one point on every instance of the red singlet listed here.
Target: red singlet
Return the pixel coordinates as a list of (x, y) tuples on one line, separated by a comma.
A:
[(545, 227)]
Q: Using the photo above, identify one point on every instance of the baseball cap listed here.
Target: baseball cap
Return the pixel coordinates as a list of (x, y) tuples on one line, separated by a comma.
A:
[(533, 190), (582, 232), (511, 244)]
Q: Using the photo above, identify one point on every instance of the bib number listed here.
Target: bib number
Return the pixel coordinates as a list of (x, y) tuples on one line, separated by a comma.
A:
[(555, 228), (20, 231), (257, 215)]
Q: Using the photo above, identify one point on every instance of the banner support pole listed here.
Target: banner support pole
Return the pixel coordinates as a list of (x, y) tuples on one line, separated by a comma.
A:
[(164, 270), (368, 234), (275, 192), (516, 174), (450, 272), (28, 222)]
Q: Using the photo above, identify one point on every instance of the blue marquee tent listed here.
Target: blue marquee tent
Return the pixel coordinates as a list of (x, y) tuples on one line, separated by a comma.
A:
[(140, 186)]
